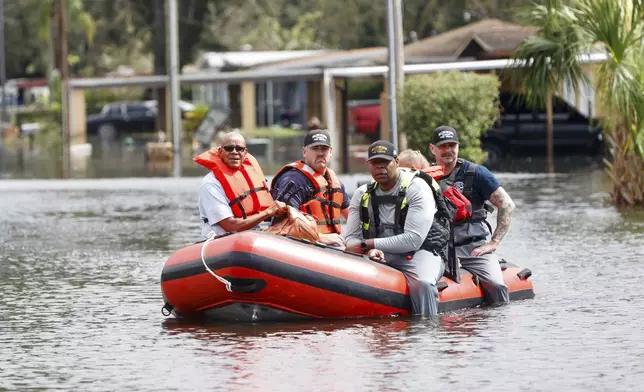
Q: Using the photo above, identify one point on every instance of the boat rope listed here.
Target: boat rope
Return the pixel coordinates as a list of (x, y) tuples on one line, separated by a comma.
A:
[(210, 237)]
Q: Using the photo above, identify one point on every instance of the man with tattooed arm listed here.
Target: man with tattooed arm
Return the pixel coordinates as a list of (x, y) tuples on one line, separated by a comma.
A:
[(474, 241)]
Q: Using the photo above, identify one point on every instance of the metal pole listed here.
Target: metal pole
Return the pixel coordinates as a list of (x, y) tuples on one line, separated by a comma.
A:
[(269, 103), (328, 89), (64, 93), (399, 63), (3, 76), (174, 85), (391, 47), (399, 54)]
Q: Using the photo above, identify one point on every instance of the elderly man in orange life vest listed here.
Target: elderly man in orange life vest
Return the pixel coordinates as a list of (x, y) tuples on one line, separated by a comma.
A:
[(310, 186), (474, 241), (234, 195)]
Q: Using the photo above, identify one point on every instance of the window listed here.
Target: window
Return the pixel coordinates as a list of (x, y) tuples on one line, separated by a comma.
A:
[(137, 110)]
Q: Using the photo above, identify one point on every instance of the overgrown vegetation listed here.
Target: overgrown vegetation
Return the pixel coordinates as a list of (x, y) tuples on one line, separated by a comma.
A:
[(106, 34), (612, 27), (466, 101)]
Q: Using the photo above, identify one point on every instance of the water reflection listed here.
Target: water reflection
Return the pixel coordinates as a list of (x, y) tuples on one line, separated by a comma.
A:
[(381, 337), (80, 262), (116, 158), (126, 157), (352, 352)]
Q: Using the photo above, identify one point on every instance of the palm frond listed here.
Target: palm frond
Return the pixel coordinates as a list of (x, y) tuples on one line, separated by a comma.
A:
[(550, 59), (618, 25)]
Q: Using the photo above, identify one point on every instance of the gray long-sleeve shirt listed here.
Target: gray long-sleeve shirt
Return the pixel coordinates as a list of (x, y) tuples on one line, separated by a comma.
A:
[(420, 216)]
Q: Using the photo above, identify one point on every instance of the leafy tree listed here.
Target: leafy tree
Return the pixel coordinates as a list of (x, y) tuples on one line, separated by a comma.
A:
[(268, 34), (466, 101)]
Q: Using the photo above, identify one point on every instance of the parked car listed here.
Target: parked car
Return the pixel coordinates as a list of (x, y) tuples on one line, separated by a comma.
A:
[(128, 117), (119, 117), (522, 130)]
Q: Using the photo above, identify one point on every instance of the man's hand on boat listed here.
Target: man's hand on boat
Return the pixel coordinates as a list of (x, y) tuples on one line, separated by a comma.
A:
[(332, 239), (279, 208), (376, 255)]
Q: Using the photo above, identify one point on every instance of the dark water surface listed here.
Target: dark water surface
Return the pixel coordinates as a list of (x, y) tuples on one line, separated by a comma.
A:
[(80, 262)]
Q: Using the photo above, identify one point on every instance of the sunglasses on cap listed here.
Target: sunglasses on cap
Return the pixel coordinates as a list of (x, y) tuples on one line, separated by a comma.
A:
[(236, 148)]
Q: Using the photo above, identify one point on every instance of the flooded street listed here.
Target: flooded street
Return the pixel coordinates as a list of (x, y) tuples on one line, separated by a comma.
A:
[(80, 301)]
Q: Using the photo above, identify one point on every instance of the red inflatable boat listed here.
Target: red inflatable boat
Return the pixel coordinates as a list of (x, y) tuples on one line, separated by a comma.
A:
[(267, 277)]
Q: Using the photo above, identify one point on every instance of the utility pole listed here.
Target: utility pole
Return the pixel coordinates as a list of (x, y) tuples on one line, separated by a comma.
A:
[(64, 70), (399, 60), (399, 53), (64, 92), (174, 85), (391, 74), (3, 76)]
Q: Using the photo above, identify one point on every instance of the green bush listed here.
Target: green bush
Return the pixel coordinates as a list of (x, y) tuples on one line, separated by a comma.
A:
[(360, 89), (193, 119), (41, 116), (465, 101)]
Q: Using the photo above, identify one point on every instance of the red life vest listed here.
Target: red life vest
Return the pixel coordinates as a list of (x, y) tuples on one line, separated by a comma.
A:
[(326, 202), (245, 187), (458, 200)]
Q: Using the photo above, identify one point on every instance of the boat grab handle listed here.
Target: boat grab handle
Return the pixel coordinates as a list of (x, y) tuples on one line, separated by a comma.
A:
[(236, 285), (246, 285)]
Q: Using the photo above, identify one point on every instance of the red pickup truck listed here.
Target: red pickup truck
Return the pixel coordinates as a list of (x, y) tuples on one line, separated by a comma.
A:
[(364, 117)]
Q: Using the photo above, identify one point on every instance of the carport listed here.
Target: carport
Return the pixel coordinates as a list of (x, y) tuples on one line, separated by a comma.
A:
[(321, 94), (326, 98)]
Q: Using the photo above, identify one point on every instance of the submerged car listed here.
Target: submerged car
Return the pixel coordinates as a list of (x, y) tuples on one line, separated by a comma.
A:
[(521, 130), (128, 117), (121, 117)]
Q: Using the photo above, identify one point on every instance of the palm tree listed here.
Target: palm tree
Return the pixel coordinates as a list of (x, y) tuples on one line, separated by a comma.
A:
[(549, 59), (617, 26)]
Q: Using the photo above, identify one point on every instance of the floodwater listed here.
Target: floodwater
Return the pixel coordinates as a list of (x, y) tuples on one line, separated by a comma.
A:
[(80, 302)]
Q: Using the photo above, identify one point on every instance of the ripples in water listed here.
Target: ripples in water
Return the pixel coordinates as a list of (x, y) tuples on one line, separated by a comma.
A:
[(80, 300)]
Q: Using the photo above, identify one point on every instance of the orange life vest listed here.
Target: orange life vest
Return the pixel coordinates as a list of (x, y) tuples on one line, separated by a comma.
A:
[(458, 200), (326, 202), (245, 187), (435, 171)]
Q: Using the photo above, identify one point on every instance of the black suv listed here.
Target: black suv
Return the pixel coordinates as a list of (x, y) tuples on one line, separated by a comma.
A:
[(522, 130), (122, 117)]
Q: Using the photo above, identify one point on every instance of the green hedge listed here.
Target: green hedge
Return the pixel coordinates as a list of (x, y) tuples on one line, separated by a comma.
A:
[(466, 101), (364, 89), (41, 116)]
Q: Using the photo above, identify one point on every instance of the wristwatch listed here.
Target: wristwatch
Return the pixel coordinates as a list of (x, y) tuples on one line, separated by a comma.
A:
[(363, 245)]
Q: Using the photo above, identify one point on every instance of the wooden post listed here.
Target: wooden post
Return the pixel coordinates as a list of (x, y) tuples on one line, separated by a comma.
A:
[(249, 118), (78, 120), (338, 152), (314, 100)]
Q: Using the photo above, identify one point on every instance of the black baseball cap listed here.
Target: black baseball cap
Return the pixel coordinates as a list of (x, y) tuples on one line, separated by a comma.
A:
[(444, 134), (318, 137), (382, 149)]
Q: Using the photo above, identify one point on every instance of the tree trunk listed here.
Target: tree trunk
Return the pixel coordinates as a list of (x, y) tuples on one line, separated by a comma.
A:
[(51, 50), (550, 132), (619, 172)]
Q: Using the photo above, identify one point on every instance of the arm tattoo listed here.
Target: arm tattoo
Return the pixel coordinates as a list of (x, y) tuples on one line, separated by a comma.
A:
[(505, 205)]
